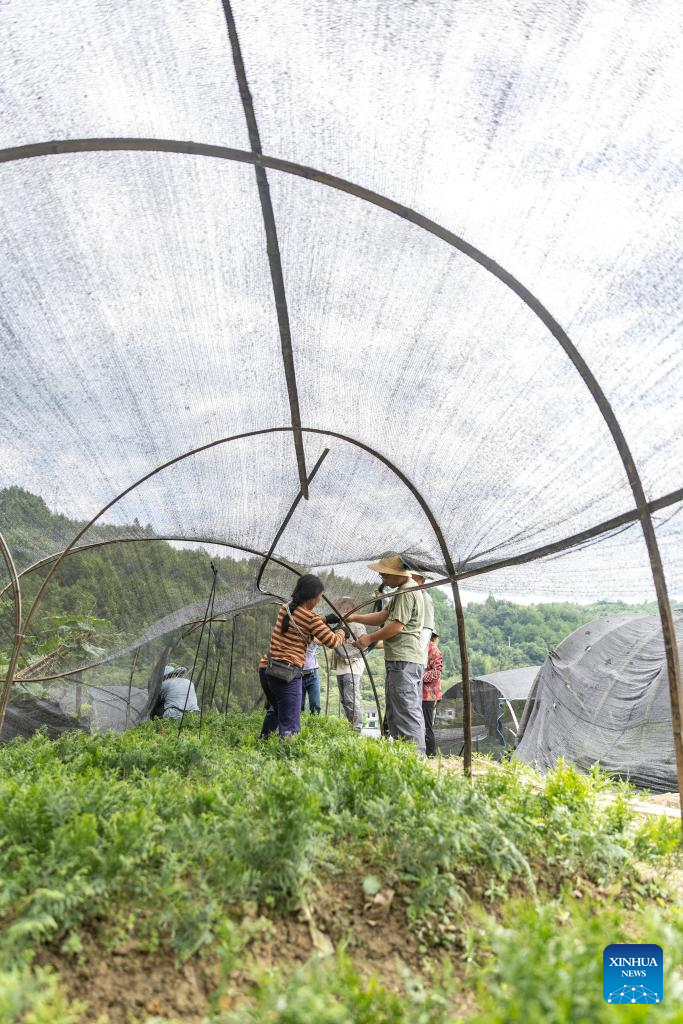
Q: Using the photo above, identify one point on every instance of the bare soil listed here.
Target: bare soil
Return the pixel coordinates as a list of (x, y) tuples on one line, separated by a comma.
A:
[(132, 984)]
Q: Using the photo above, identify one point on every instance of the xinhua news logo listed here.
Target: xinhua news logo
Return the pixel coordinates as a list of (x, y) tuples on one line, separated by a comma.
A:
[(633, 973)]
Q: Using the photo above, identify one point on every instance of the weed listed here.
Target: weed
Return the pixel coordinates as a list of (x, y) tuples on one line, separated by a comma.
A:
[(335, 994), (35, 998)]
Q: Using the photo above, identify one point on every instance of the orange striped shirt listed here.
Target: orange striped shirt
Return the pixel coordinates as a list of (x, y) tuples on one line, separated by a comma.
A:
[(290, 646)]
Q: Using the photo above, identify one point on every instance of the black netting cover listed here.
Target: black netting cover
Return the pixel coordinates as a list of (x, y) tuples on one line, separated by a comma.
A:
[(603, 696)]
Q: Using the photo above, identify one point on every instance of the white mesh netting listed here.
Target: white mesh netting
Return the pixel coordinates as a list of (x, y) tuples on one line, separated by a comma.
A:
[(139, 318)]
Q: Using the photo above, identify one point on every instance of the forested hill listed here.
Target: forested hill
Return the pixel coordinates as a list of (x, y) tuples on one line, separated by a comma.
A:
[(131, 584), (122, 585), (32, 531), (504, 635)]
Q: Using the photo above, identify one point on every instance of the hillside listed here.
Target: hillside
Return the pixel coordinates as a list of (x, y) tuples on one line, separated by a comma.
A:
[(503, 635), (134, 584)]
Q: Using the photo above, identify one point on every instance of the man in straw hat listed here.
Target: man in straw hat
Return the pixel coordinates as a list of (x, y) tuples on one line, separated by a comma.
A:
[(400, 625)]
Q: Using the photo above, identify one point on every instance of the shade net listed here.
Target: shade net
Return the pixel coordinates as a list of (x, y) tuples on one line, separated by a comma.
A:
[(603, 696), (495, 715), (153, 311), (123, 688)]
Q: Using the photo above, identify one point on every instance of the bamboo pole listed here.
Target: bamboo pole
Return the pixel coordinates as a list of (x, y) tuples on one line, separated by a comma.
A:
[(232, 648), (130, 687), (466, 681)]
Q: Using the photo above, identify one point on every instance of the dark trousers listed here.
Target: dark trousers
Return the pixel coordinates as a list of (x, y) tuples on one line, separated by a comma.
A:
[(428, 712), (284, 705), (262, 680)]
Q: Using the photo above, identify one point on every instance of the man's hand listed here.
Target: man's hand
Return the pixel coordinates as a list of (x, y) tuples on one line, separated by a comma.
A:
[(391, 628)]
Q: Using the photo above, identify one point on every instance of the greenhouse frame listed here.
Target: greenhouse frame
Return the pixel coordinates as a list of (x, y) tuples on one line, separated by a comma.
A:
[(389, 298)]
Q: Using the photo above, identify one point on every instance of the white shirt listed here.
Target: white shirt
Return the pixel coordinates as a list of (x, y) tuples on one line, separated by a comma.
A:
[(178, 694), (347, 653)]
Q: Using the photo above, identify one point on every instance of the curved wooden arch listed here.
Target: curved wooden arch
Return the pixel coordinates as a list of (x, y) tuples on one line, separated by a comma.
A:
[(99, 145), (467, 710), (624, 520), (452, 578)]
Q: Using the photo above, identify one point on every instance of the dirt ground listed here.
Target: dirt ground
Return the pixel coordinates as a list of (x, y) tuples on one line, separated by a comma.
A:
[(130, 983)]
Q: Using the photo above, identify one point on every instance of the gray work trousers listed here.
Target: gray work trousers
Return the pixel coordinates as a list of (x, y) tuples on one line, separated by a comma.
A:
[(403, 693), (349, 693)]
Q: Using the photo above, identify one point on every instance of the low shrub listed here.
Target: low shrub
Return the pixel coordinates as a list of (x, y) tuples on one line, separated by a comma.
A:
[(35, 997)]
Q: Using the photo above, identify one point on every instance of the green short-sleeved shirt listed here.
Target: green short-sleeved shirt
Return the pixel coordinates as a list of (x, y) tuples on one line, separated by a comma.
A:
[(408, 609)]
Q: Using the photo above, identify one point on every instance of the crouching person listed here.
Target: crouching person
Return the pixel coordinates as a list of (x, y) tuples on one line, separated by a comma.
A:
[(296, 627), (400, 625), (177, 695)]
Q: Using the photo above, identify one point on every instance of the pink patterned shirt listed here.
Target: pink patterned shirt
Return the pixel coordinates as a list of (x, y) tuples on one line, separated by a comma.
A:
[(431, 683)]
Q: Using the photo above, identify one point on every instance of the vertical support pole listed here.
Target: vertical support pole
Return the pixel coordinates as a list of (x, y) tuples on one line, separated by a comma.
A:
[(466, 681), (130, 688), (673, 663), (232, 648), (79, 695), (207, 616), (215, 678), (18, 636), (204, 674)]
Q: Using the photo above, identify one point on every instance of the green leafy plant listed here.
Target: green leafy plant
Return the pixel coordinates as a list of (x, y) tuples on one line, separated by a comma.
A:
[(165, 839), (543, 965), (60, 638), (35, 997), (335, 993)]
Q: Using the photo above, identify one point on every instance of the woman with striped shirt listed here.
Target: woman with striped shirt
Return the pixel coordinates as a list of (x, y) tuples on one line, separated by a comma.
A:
[(296, 627)]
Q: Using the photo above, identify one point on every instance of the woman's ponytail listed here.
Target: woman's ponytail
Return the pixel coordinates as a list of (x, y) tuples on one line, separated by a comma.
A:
[(307, 586)]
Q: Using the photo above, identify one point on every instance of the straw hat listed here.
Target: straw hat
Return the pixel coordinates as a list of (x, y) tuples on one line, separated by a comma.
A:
[(392, 565)]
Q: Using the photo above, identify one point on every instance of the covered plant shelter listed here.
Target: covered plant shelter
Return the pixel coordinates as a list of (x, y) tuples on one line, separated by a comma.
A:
[(602, 697), (309, 283), (499, 698)]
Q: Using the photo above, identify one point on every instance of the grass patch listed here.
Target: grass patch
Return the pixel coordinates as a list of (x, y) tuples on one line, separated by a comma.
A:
[(143, 837)]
